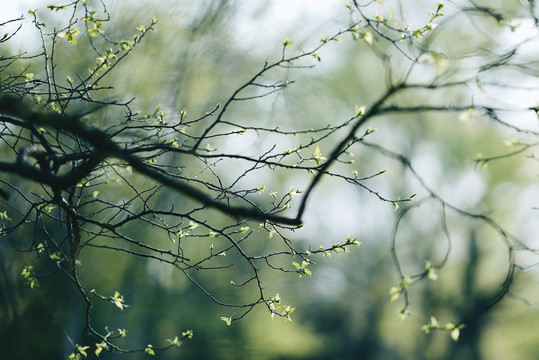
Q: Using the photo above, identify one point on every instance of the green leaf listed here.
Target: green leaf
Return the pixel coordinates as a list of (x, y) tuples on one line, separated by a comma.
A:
[(175, 342), (56, 7), (3, 216), (118, 300), (286, 42), (188, 334), (403, 314), (227, 320), (302, 269), (71, 35), (149, 350), (192, 225), (407, 281), (360, 110), (449, 326), (100, 346), (368, 37), (431, 272), (29, 277), (57, 256), (434, 322), (317, 156), (82, 350), (94, 31), (352, 240), (395, 293), (26, 271)]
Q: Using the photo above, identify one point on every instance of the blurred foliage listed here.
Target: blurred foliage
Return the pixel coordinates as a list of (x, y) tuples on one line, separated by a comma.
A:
[(194, 61)]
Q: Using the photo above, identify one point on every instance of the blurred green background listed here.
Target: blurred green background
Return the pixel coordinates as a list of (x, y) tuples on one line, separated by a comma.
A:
[(201, 53)]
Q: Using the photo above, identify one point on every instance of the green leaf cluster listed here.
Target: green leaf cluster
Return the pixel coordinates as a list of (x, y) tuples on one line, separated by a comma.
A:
[(277, 308), (433, 324), (70, 36), (301, 269), (29, 278), (396, 291)]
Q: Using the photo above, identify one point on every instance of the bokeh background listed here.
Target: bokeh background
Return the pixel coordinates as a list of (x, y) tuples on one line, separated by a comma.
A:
[(200, 54)]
